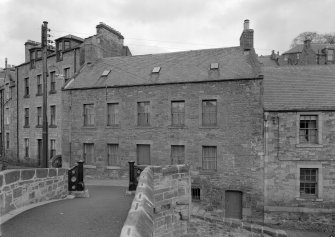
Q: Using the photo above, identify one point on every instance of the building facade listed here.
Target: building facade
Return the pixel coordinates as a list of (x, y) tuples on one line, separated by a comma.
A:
[(64, 61), (299, 146), (202, 108)]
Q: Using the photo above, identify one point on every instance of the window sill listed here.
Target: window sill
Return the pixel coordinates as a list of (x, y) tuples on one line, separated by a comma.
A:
[(209, 127), (177, 127), (315, 199), (89, 127), (52, 92), (309, 145), (113, 167), (26, 96), (90, 166), (52, 126), (113, 126)]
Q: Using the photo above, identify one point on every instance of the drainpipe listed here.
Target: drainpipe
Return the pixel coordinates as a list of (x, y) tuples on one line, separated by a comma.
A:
[(17, 116), (266, 137)]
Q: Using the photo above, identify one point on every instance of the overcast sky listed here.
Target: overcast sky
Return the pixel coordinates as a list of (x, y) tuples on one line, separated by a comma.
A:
[(155, 26)]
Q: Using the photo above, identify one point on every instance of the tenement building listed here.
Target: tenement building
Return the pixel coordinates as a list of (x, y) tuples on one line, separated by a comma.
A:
[(203, 108), (64, 61), (299, 146)]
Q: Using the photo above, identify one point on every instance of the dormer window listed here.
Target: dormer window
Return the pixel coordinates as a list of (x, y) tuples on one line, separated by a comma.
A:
[(59, 50), (67, 44), (39, 54), (32, 59)]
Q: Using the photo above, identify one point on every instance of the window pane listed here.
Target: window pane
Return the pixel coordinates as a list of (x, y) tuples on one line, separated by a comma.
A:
[(308, 181), (178, 113), (209, 157), (209, 113), (112, 154), (177, 154), (143, 113), (112, 114), (88, 153)]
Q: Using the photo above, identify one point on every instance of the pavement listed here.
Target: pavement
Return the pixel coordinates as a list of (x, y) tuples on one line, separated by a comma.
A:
[(102, 214)]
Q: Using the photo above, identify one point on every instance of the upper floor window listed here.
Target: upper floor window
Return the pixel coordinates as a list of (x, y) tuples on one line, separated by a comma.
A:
[(143, 113), (39, 116), (52, 82), (67, 74), (308, 182), (26, 147), (209, 157), (26, 117), (52, 115), (308, 129), (89, 115), (39, 54), (143, 154), (32, 59), (178, 154), (52, 148), (209, 113), (112, 114), (59, 50), (26, 86), (67, 44), (39, 85), (178, 113)]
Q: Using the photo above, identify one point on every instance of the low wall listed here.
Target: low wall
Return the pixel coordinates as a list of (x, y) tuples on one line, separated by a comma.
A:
[(21, 187), (161, 203)]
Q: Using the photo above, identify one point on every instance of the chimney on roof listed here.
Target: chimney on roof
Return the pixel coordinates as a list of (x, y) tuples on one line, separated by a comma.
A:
[(106, 30), (247, 37), (307, 43), (28, 45)]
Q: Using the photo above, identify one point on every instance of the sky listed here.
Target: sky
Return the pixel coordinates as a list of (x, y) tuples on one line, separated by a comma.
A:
[(158, 26)]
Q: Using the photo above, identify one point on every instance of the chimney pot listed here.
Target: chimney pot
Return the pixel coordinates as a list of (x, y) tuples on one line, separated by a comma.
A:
[(246, 24)]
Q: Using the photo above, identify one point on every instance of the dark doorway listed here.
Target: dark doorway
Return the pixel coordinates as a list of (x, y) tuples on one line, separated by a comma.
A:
[(39, 152), (233, 204)]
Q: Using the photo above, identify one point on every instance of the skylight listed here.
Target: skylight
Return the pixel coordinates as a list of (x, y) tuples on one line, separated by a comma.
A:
[(156, 69), (214, 66), (105, 73)]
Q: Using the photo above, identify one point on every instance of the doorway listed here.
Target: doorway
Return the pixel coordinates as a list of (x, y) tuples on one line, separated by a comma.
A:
[(233, 204)]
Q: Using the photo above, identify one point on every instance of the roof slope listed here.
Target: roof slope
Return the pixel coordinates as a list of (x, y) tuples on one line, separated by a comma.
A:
[(188, 66), (314, 46), (308, 87), (266, 61)]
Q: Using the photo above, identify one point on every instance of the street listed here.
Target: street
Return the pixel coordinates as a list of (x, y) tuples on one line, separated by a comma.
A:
[(102, 214)]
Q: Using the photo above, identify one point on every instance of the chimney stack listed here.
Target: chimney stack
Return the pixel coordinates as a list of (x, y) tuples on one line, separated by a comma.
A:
[(247, 37)]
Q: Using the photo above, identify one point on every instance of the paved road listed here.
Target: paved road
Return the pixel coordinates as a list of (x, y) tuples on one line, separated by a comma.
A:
[(103, 214)]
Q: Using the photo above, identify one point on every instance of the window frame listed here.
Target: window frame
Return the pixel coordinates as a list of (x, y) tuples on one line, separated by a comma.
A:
[(26, 87), (92, 161), (203, 113), (204, 161), (319, 129), (145, 114), (114, 156), (52, 82), (175, 159), (317, 166), (181, 122), (138, 151), (114, 115), (26, 117), (26, 148), (52, 147), (39, 85), (39, 116), (67, 74), (86, 114), (52, 115)]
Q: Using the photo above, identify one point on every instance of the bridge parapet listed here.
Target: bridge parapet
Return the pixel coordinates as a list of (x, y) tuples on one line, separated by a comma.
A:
[(161, 206), (21, 187)]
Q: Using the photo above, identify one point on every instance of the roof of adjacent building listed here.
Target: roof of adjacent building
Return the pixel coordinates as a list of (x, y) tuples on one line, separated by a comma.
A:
[(267, 61), (178, 67), (314, 46), (71, 37), (309, 87)]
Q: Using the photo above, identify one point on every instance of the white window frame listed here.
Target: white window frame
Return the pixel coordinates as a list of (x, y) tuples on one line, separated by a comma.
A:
[(319, 127), (320, 180)]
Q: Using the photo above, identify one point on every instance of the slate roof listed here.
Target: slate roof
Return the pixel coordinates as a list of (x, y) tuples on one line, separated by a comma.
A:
[(308, 87), (178, 67), (314, 46), (266, 61)]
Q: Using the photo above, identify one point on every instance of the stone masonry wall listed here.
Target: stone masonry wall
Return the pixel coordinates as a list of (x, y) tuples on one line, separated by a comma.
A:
[(284, 205), (19, 188)]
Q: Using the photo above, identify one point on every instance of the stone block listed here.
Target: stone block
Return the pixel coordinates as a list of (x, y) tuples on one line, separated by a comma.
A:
[(61, 172), (27, 174), (52, 172), (17, 192), (12, 176), (41, 173), (169, 170), (1, 180)]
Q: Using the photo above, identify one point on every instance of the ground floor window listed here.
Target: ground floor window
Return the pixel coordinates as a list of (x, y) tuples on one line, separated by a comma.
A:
[(88, 154), (112, 154), (143, 154), (308, 182)]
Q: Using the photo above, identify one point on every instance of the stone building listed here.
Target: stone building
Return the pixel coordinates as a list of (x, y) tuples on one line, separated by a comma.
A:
[(299, 146), (8, 113), (203, 108), (64, 61)]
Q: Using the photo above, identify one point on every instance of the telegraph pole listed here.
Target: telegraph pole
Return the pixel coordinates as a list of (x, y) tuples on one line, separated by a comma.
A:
[(44, 42)]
